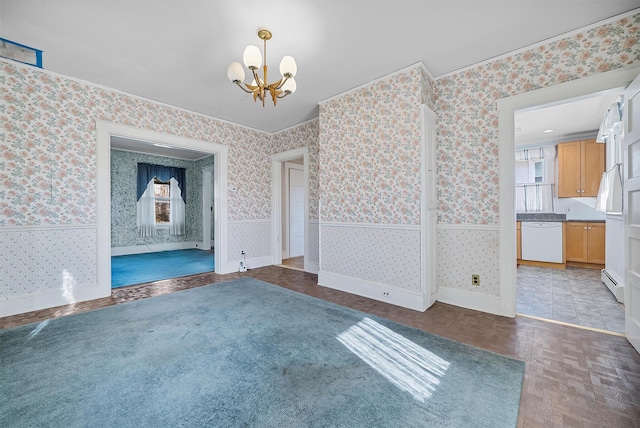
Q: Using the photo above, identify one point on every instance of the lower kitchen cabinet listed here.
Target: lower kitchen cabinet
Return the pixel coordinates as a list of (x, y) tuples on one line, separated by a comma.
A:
[(584, 242)]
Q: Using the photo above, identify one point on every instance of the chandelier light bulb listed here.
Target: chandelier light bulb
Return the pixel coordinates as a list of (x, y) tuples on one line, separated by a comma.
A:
[(288, 67), (252, 57), (235, 72), (289, 86)]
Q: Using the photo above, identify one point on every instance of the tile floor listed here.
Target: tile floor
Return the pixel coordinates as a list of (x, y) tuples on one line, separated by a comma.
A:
[(576, 296)]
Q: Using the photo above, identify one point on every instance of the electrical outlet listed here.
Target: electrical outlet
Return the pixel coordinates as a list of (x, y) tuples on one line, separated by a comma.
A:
[(475, 280), (242, 252), (385, 294)]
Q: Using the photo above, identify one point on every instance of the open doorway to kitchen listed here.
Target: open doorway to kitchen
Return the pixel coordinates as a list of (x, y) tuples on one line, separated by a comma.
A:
[(507, 107), (560, 235)]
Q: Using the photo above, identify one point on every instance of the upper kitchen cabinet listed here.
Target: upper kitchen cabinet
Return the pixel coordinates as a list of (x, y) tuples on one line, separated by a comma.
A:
[(580, 168)]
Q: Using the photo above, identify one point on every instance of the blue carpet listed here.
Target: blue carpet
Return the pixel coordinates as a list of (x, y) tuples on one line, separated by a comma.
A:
[(147, 267), (245, 353)]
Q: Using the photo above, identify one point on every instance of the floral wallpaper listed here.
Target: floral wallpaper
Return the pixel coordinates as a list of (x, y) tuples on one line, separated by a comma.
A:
[(47, 146), (370, 153), (124, 231), (304, 135), (467, 137), (47, 171)]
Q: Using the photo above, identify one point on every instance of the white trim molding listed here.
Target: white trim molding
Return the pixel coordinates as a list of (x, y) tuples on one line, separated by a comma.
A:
[(155, 248), (276, 200), (50, 299), (466, 226), (418, 64), (104, 132), (370, 225), (373, 290), (470, 299), (538, 44)]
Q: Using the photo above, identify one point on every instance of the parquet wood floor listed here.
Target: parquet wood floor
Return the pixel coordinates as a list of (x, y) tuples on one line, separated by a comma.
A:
[(294, 262), (573, 377)]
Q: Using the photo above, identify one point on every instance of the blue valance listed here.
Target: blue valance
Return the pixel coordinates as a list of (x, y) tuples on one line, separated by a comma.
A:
[(147, 172)]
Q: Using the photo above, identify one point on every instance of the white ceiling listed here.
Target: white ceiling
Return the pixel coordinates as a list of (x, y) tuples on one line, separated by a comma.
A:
[(177, 51), (573, 118)]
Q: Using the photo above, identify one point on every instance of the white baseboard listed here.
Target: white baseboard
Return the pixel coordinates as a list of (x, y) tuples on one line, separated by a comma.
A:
[(614, 284), (373, 290), (311, 267), (472, 300), (51, 299), (154, 248), (252, 263)]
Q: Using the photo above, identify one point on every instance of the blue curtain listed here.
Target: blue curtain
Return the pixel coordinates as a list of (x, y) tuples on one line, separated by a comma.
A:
[(147, 172)]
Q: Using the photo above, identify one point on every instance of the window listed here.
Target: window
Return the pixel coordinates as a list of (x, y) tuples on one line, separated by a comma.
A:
[(532, 171), (162, 198), (162, 195), (534, 175)]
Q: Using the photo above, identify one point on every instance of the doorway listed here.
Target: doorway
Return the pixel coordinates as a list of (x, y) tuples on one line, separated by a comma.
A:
[(105, 131), (507, 108), (290, 207), (293, 207), (548, 288)]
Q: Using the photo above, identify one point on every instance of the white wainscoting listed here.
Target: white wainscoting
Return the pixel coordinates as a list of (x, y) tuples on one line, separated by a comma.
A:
[(465, 250), (381, 262), (154, 248), (48, 266), (254, 238), (312, 256)]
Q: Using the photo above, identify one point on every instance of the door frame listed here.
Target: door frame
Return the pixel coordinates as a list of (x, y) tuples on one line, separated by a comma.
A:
[(276, 202), (104, 132), (286, 238), (631, 185), (619, 78), (208, 173)]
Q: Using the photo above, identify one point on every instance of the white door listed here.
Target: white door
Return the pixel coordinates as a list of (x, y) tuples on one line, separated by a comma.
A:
[(296, 212), (631, 189)]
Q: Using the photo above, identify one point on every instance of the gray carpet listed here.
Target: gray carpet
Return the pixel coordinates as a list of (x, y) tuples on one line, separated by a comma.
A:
[(245, 353)]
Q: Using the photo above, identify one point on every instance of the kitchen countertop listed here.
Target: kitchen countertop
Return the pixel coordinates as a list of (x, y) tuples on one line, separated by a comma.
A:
[(546, 217)]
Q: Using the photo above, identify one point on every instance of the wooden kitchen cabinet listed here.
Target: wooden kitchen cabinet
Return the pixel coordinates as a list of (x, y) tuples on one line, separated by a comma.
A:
[(584, 242), (580, 168), (518, 241)]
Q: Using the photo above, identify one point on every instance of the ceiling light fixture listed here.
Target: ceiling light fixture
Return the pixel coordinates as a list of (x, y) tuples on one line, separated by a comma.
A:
[(261, 86), (547, 131)]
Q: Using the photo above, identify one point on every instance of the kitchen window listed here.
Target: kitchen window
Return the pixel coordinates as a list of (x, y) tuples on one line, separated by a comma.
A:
[(534, 176)]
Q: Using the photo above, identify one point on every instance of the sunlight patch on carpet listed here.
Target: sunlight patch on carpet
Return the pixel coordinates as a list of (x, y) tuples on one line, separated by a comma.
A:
[(405, 364), (37, 330)]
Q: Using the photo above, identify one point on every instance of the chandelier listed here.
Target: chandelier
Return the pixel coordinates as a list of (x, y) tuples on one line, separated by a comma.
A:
[(259, 87)]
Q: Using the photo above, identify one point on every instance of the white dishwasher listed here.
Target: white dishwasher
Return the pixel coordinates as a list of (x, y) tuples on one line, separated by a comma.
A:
[(542, 241)]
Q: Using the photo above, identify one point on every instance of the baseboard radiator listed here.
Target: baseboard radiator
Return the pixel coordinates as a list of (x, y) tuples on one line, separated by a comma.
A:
[(616, 288)]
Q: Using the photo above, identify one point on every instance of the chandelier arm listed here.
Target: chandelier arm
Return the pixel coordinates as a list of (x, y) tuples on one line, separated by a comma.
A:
[(237, 82), (259, 81), (285, 93), (282, 82)]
